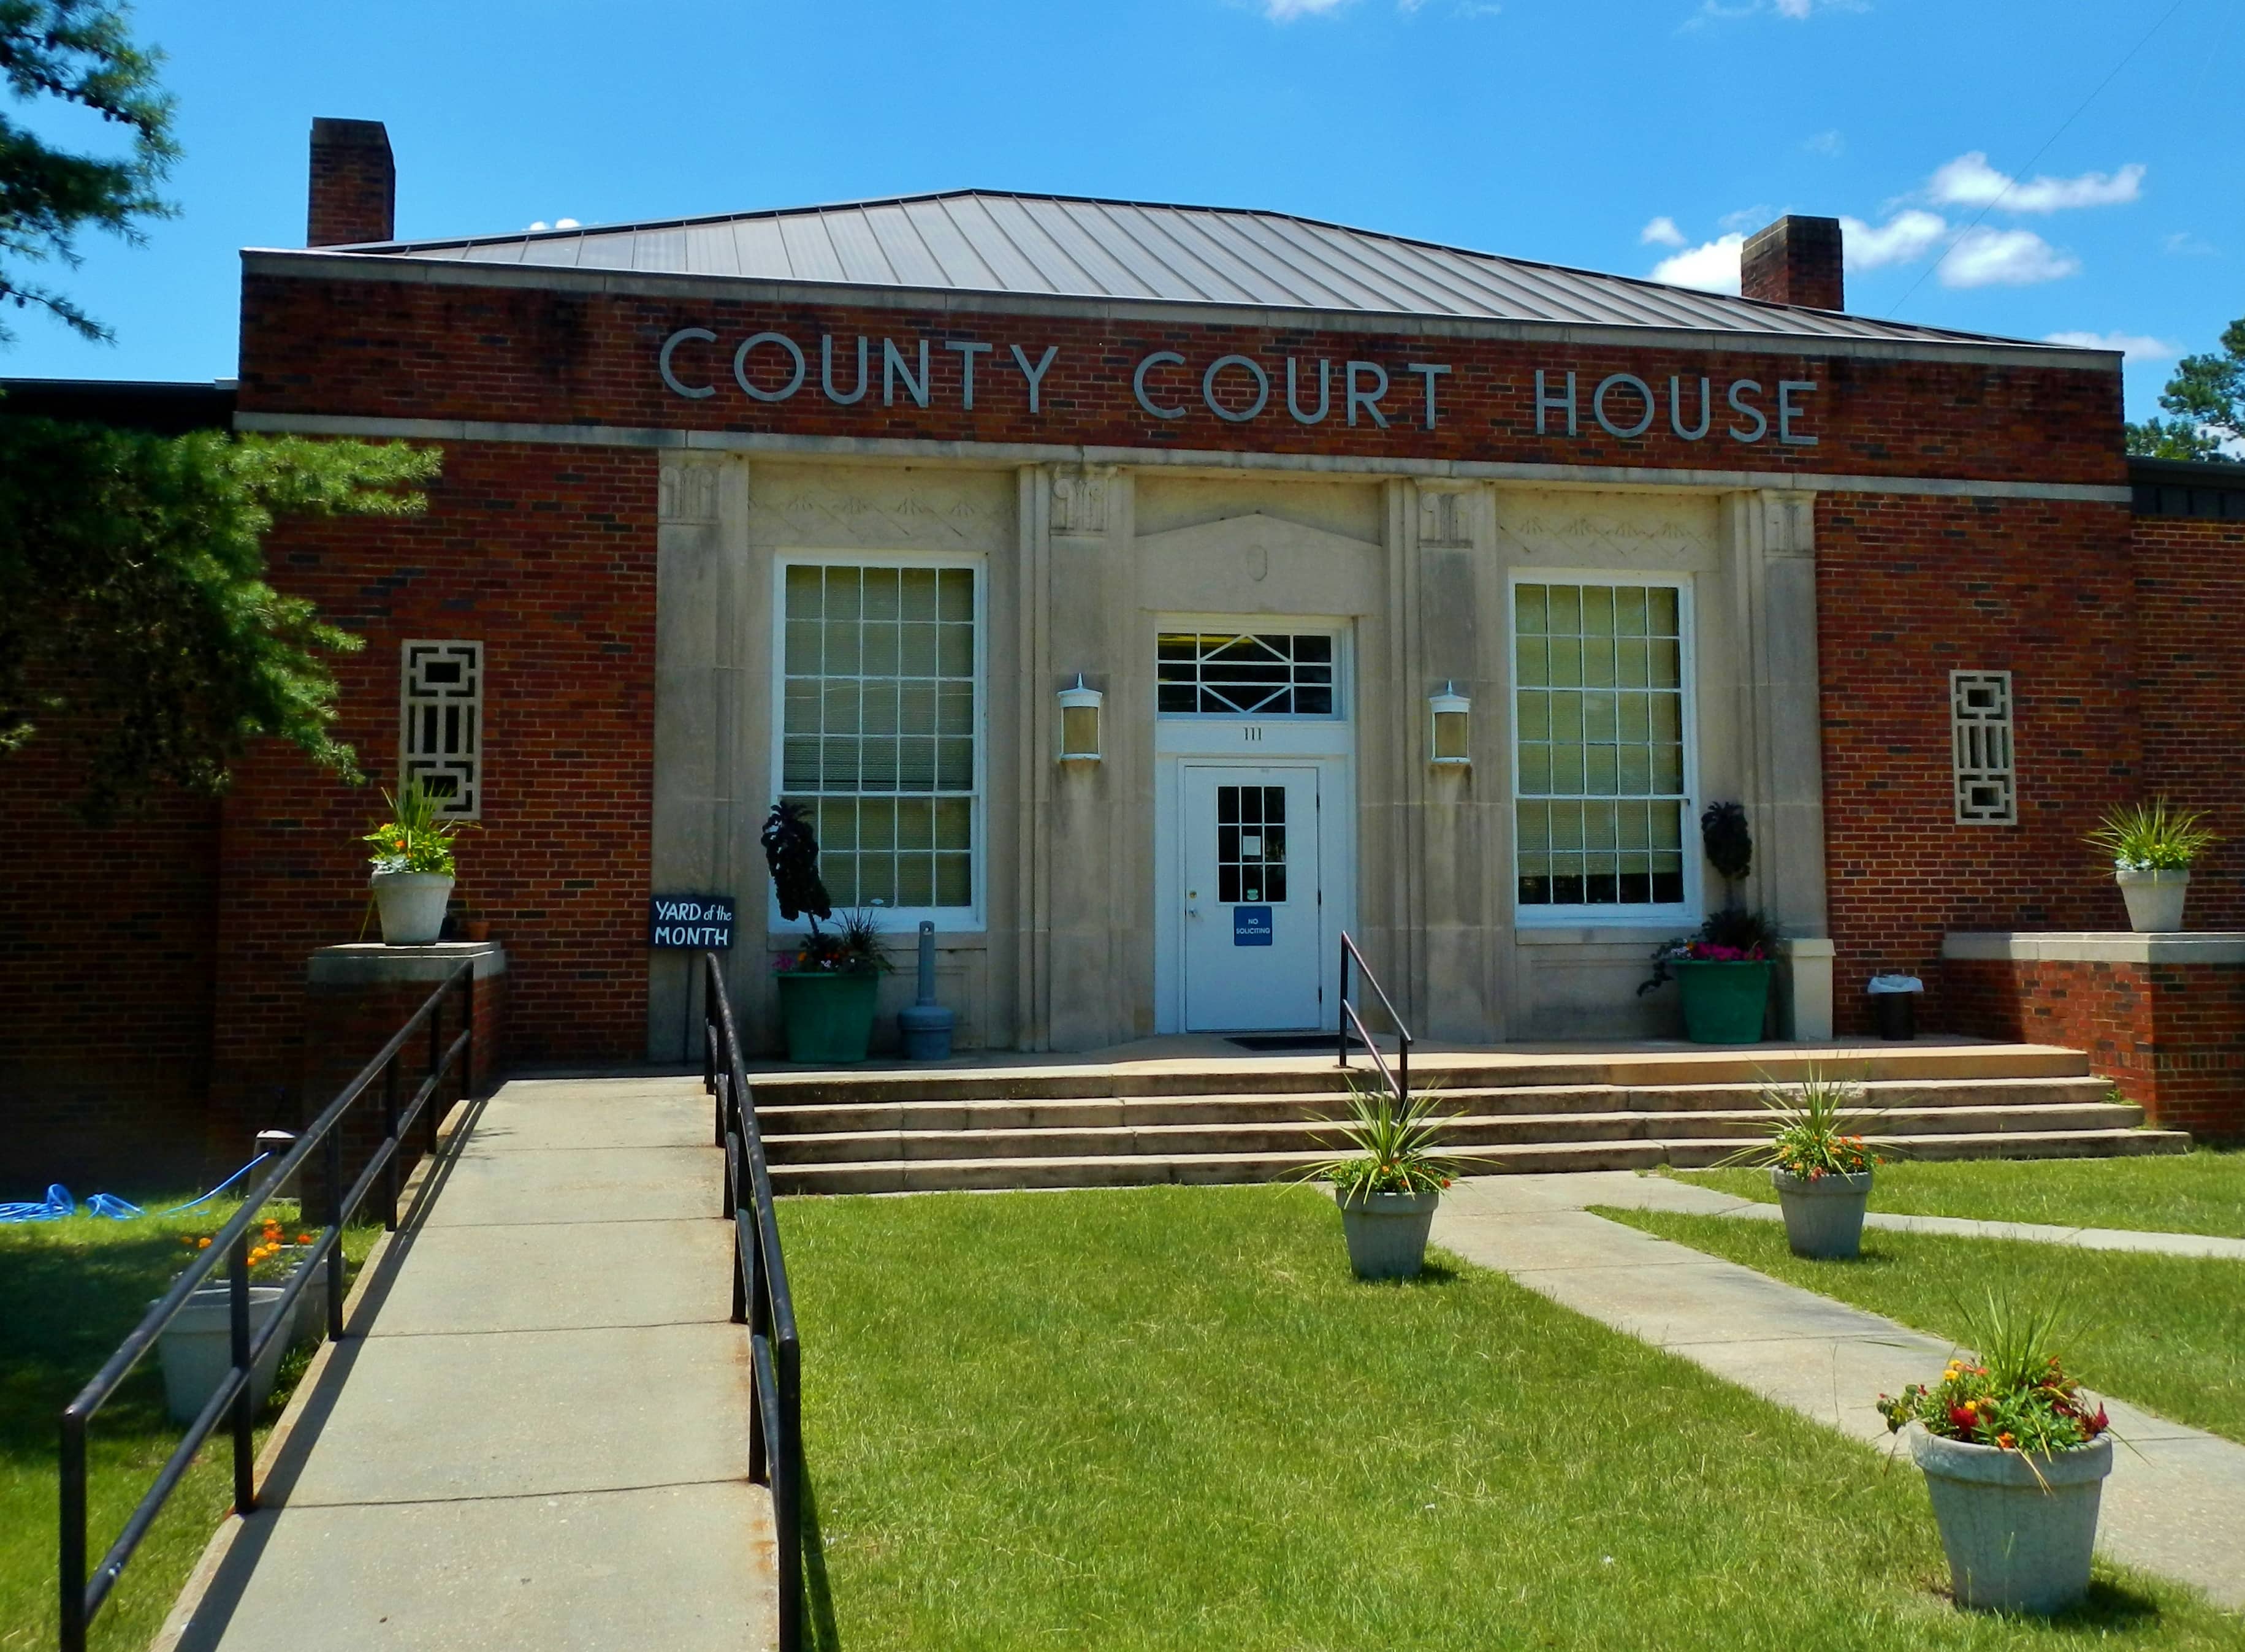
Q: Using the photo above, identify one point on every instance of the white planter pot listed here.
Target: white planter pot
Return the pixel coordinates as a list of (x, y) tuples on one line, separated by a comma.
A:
[(1823, 1215), (2018, 1530), (412, 906), (2154, 900), (196, 1349), (1387, 1232), (311, 1307)]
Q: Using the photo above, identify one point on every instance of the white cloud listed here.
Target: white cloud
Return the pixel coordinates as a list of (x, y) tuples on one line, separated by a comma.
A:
[(1968, 180), (1825, 143), (1287, 11), (1747, 218), (1661, 232), (2135, 346), (1794, 11), (1903, 239), (540, 223), (2183, 244), (565, 223), (1985, 257), (1712, 268)]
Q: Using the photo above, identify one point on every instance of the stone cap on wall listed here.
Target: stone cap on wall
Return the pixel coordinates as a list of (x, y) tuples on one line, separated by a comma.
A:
[(2096, 946), (369, 963)]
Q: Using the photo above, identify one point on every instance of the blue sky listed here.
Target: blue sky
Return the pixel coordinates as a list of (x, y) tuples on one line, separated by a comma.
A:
[(1626, 135)]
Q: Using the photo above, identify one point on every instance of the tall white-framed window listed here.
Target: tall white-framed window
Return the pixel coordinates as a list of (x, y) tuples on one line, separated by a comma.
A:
[(879, 698), (440, 717), (1603, 764)]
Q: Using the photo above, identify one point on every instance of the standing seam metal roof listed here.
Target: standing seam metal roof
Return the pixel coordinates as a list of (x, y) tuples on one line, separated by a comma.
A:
[(989, 240)]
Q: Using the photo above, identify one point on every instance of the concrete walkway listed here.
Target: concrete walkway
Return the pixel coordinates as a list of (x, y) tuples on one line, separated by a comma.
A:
[(1628, 1191), (537, 1437), (2175, 1504)]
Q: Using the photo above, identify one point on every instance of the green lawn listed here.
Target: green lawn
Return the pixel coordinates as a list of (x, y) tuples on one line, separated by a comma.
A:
[(2162, 1331), (2200, 1192), (1169, 1416), (69, 1292)]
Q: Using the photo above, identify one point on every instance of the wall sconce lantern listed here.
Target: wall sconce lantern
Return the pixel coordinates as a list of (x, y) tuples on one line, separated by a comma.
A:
[(1448, 723), (1079, 723)]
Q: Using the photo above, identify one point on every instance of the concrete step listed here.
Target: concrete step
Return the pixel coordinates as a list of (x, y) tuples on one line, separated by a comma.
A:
[(1119, 1170), (1459, 1134), (787, 1118), (1655, 1066)]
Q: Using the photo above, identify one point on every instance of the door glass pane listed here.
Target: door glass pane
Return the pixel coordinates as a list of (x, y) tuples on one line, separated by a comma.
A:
[(1251, 845)]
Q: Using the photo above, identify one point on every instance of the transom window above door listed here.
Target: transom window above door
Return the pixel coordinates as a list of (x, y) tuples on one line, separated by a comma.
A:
[(1202, 673), (1601, 718)]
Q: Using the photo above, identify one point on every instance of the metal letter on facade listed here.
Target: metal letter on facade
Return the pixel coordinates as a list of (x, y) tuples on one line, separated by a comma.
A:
[(967, 351), (1786, 412), (1325, 393), (826, 370), (1676, 409), (1369, 401), (1262, 388), (1629, 382), (1759, 428), (1159, 358), (1429, 371), (741, 367), (663, 362), (1034, 374), (1545, 402)]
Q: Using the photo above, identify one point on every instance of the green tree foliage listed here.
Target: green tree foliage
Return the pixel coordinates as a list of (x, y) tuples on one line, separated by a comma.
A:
[(2207, 397), (77, 52), (132, 594)]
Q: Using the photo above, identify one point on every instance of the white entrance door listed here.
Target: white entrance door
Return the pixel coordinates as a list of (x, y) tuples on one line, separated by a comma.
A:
[(1253, 939)]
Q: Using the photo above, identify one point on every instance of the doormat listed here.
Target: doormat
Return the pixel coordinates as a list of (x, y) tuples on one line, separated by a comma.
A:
[(1276, 1043)]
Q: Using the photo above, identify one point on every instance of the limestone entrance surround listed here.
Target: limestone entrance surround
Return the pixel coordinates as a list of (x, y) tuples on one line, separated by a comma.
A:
[(1082, 563)]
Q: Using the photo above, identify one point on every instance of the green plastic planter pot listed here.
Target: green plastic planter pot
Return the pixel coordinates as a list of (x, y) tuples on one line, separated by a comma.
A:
[(828, 1017), (1723, 1003)]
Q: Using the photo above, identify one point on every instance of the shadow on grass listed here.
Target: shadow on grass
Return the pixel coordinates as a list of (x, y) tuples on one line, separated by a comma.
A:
[(819, 1630)]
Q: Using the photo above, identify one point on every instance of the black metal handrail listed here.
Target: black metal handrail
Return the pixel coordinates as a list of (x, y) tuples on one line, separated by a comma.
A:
[(761, 1298), (82, 1596), (1398, 1078)]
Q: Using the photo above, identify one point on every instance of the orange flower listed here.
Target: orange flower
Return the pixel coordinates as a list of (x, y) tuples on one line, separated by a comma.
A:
[(304, 1238), (202, 1244)]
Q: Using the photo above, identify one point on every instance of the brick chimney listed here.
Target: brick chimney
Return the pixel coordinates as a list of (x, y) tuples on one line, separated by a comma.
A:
[(1795, 260), (354, 184)]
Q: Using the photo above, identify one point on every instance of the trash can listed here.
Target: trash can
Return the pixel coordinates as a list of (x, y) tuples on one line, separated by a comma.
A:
[(1893, 1006)]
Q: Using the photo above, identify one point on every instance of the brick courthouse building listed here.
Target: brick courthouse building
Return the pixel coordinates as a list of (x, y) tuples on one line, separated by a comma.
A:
[(837, 504)]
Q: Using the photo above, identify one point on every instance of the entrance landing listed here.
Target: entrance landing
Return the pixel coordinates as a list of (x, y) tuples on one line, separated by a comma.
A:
[(1200, 1108), (536, 1435)]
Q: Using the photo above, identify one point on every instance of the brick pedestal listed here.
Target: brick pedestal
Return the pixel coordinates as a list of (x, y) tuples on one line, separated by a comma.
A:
[(2162, 1016), (355, 998)]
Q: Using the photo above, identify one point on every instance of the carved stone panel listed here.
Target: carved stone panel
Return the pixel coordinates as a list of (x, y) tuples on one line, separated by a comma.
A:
[(689, 493), (872, 509), (1607, 529), (1080, 497), (1445, 516)]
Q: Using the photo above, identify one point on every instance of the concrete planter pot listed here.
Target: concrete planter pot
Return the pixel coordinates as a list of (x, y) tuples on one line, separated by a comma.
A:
[(1387, 1232), (1823, 1215), (2018, 1530), (196, 1349), (412, 906), (2154, 900)]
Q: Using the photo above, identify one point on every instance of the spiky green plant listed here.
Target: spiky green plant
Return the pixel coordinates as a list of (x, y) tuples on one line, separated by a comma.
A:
[(415, 838), (2152, 837), (1815, 1127), (1397, 1144), (2014, 1394)]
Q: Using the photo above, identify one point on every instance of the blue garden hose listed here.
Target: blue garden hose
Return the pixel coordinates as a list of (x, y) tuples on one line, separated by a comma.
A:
[(58, 1203)]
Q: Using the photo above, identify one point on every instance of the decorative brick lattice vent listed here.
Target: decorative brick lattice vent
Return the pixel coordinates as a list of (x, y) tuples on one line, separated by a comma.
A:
[(441, 712), (1980, 726)]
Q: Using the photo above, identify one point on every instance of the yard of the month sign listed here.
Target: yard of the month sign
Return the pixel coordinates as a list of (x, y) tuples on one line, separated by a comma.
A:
[(701, 921)]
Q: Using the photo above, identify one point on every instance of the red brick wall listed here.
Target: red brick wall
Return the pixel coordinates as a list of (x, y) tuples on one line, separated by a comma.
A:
[(547, 555), (1910, 588), (390, 349), (345, 1026), (2171, 1036), (2190, 671), (106, 958)]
